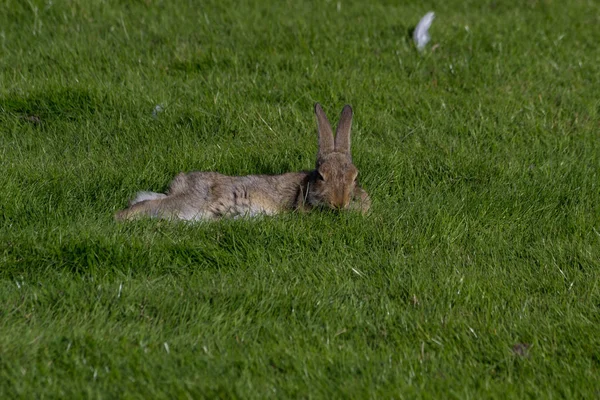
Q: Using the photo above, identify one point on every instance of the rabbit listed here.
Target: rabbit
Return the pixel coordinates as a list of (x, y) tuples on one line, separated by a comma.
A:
[(209, 195)]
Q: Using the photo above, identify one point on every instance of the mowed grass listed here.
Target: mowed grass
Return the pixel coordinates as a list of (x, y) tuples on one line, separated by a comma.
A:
[(476, 275)]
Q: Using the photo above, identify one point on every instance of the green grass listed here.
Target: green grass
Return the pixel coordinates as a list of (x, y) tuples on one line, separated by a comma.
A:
[(481, 156)]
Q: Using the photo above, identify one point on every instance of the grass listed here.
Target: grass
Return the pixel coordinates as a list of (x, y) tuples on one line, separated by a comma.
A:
[(475, 276)]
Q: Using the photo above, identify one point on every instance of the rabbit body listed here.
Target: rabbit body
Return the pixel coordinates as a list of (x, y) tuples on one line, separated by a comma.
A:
[(210, 195)]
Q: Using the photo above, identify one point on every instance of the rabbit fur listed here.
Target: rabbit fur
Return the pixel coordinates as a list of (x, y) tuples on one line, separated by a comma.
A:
[(210, 195)]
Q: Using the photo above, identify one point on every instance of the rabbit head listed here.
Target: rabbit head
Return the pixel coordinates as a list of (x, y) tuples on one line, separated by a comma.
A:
[(334, 179)]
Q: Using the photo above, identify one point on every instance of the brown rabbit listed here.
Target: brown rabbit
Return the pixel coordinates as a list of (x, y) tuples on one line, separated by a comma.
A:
[(210, 195)]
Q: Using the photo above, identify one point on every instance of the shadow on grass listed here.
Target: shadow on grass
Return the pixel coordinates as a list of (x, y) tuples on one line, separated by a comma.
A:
[(61, 104)]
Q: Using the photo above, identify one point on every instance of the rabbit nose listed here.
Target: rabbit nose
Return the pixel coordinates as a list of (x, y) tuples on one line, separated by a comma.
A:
[(340, 204), (343, 202)]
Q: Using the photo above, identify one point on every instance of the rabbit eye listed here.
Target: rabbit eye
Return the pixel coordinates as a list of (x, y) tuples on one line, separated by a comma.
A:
[(320, 177)]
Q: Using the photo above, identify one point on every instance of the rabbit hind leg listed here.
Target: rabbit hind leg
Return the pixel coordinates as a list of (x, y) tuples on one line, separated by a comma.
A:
[(169, 207), (144, 208)]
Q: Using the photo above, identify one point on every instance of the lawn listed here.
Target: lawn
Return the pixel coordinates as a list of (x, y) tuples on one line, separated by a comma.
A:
[(475, 275)]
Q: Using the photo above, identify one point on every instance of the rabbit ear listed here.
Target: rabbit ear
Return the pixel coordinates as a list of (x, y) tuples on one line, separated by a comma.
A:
[(342, 134), (325, 133)]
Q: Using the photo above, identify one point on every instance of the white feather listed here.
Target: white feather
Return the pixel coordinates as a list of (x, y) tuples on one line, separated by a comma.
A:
[(421, 33)]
